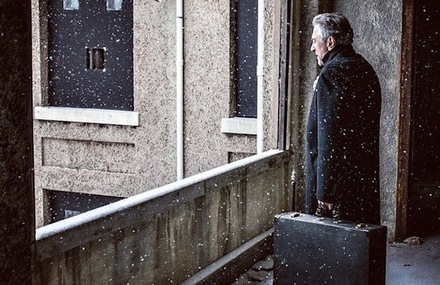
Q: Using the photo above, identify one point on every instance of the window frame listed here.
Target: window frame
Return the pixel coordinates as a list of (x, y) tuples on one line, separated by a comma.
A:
[(236, 124)]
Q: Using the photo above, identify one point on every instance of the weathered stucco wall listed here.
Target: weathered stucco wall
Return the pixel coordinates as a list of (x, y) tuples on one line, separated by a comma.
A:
[(304, 71), (378, 30), (208, 84), (154, 94), (114, 160)]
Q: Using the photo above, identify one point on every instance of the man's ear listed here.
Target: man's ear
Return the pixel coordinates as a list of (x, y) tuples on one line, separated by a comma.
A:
[(331, 43)]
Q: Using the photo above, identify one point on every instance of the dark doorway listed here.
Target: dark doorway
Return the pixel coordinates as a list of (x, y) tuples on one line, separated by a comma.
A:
[(91, 54), (424, 191)]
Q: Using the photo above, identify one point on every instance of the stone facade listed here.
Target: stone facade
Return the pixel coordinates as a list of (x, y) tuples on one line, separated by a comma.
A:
[(123, 158), (120, 160)]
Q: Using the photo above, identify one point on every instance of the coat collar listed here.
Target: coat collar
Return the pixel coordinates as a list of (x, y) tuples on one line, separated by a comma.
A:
[(336, 51)]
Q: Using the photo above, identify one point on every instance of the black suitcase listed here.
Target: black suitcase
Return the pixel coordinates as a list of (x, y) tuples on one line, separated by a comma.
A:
[(311, 250)]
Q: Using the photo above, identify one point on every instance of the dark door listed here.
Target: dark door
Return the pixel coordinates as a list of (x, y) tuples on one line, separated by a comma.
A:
[(424, 191), (63, 205), (91, 54)]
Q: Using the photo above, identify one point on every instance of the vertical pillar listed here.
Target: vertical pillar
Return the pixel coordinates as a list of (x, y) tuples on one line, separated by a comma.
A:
[(16, 156), (404, 131)]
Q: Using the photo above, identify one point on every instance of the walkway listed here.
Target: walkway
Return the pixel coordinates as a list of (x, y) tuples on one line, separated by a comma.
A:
[(406, 265)]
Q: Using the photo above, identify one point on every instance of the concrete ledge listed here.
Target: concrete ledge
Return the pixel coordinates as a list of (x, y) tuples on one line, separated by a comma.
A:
[(183, 236), (238, 125), (82, 115), (230, 266), (61, 236)]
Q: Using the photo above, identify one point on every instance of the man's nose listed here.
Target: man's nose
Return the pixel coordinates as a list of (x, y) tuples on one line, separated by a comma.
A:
[(312, 48)]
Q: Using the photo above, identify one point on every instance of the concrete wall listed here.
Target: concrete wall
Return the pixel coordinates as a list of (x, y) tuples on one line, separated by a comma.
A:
[(166, 235), (207, 84), (378, 30), (118, 160), (304, 72)]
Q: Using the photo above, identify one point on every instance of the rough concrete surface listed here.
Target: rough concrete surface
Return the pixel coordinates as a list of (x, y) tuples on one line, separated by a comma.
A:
[(406, 265), (261, 273)]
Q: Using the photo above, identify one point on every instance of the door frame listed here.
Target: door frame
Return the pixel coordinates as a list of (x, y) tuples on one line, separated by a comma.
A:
[(404, 121)]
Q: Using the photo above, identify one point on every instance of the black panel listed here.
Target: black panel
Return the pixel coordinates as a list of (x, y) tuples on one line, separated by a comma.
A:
[(308, 250), (17, 214), (73, 35), (424, 193), (246, 56), (426, 99), (64, 205)]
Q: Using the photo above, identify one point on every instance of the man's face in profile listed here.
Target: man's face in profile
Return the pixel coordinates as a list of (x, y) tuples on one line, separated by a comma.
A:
[(319, 47)]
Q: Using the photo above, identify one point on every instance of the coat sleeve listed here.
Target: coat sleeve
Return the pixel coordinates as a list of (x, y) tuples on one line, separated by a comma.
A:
[(330, 131)]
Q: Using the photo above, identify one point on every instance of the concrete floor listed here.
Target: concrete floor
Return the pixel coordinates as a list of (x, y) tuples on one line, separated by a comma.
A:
[(414, 265), (406, 265)]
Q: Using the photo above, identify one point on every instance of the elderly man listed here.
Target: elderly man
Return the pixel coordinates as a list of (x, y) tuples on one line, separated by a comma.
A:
[(342, 158)]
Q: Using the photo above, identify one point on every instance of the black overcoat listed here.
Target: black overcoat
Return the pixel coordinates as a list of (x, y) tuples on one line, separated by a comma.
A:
[(342, 139)]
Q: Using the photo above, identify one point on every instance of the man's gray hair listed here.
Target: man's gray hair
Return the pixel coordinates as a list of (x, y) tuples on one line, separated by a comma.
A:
[(336, 25)]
